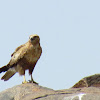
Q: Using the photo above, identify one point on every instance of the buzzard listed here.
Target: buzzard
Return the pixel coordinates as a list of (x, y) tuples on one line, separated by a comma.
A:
[(24, 57)]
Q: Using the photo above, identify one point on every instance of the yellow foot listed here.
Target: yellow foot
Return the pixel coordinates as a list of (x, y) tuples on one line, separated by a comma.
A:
[(25, 82), (31, 81)]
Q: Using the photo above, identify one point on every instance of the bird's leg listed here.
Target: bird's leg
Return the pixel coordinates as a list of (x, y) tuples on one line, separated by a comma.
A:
[(32, 81), (24, 80)]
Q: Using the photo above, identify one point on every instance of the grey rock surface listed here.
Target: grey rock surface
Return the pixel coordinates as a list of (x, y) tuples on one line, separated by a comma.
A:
[(30, 91)]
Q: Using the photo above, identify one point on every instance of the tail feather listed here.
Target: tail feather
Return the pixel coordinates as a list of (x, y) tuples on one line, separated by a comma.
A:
[(8, 74), (4, 68)]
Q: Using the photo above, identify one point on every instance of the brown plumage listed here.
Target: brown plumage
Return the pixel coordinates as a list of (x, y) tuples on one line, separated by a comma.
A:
[(25, 57)]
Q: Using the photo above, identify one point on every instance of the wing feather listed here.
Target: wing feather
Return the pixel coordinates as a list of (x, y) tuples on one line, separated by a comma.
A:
[(18, 54), (17, 49)]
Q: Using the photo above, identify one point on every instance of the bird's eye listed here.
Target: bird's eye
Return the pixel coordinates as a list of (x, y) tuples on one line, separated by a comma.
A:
[(33, 38)]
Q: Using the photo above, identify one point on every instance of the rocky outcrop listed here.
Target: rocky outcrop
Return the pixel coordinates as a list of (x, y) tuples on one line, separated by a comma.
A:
[(89, 81), (30, 91)]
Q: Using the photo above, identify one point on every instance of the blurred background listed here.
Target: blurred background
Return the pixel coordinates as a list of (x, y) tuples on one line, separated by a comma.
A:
[(70, 38)]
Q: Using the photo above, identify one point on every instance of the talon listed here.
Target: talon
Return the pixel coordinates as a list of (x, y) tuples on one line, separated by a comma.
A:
[(24, 82), (32, 81)]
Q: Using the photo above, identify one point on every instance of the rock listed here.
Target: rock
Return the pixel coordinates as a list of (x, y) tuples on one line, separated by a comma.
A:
[(93, 80), (30, 91)]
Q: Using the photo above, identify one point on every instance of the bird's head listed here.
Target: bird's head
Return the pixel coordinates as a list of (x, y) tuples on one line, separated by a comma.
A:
[(34, 39)]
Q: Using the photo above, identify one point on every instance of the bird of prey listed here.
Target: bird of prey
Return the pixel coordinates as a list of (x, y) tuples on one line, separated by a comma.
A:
[(24, 58)]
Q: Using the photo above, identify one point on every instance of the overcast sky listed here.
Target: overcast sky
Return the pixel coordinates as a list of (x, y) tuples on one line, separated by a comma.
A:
[(70, 38)]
